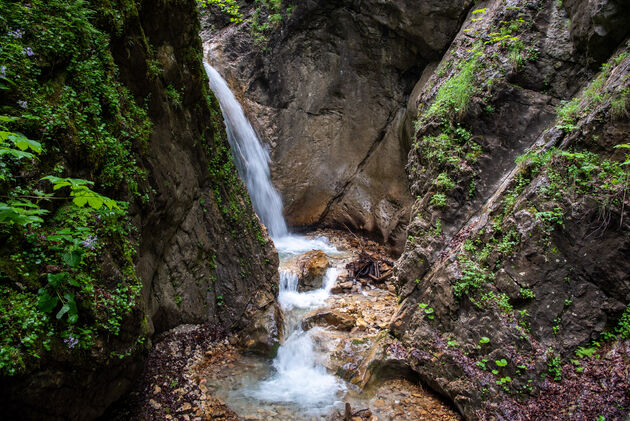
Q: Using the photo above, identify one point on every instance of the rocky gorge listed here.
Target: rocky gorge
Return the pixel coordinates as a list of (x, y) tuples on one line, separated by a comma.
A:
[(459, 171)]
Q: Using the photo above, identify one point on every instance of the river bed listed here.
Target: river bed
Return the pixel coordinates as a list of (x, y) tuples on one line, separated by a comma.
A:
[(319, 370)]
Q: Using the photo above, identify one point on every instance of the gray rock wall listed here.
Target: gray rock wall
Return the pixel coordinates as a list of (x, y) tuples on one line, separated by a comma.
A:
[(327, 92)]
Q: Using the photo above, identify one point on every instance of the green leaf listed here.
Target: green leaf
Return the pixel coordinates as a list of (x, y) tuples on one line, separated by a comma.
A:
[(15, 213), (80, 201), (24, 143), (501, 363), (45, 301), (73, 313), (484, 340), (64, 309), (16, 153), (72, 258), (95, 202), (56, 279), (74, 282)]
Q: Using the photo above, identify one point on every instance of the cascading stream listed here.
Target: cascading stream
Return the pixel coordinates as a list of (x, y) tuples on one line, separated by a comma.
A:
[(299, 377)]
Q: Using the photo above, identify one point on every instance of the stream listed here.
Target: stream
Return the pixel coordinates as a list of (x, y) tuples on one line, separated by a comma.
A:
[(330, 341)]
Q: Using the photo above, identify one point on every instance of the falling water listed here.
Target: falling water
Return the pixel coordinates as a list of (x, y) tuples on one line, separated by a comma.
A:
[(299, 377), (251, 159)]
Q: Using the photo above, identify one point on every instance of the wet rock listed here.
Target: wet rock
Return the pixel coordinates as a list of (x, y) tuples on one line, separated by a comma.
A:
[(332, 318), (342, 287), (597, 27), (312, 268), (264, 333)]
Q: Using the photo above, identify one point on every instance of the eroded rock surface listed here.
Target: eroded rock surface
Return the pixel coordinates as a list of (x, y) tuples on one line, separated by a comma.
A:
[(327, 93), (503, 280), (312, 268)]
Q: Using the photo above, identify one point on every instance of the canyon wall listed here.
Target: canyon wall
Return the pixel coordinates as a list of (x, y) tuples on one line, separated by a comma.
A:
[(326, 91), (509, 119), (202, 255)]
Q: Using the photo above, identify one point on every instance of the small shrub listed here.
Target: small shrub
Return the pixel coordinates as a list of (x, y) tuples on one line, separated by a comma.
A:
[(438, 200), (527, 293), (568, 114)]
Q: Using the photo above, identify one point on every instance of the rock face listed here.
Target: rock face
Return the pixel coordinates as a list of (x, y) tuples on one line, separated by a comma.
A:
[(325, 317), (327, 93), (597, 27), (509, 269), (197, 260), (312, 268)]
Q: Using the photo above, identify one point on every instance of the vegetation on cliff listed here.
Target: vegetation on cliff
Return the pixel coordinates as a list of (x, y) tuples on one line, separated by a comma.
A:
[(507, 248), (66, 267)]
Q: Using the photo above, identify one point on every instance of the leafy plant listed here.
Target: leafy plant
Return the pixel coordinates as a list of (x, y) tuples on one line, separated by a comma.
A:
[(439, 200), (229, 7), (501, 363), (428, 311), (472, 277), (527, 293)]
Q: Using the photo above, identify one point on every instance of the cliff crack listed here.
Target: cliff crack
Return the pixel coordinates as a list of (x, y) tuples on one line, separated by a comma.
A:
[(335, 199)]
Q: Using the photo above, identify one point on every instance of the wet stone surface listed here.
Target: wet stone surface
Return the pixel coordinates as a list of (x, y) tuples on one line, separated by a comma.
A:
[(350, 339), (198, 373)]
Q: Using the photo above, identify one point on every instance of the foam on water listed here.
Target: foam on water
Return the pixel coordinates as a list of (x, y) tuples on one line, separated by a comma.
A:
[(294, 245), (289, 297), (299, 376)]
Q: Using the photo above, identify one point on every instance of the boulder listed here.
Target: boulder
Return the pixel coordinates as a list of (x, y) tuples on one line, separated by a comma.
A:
[(264, 332), (312, 268), (325, 317)]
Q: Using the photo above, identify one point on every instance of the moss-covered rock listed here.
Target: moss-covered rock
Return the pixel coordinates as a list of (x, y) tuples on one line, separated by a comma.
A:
[(116, 94)]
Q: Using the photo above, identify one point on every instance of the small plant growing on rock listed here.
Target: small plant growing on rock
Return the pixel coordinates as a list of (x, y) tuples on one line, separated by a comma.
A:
[(427, 310), (504, 381), (527, 293), (438, 200)]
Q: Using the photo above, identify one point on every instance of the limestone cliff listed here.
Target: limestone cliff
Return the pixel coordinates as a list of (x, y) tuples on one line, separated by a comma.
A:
[(326, 90), (511, 269)]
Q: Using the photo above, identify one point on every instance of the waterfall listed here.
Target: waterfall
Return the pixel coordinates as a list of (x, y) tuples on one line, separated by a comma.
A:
[(251, 159), (300, 378)]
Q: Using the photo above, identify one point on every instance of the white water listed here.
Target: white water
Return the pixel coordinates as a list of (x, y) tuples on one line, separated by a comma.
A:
[(251, 159), (289, 297), (299, 376)]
